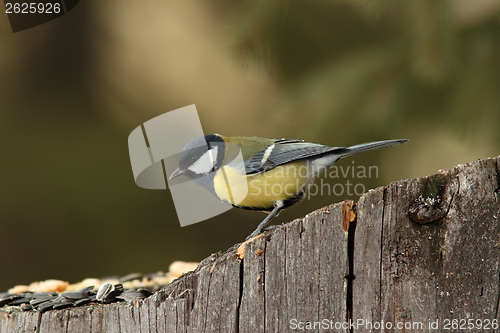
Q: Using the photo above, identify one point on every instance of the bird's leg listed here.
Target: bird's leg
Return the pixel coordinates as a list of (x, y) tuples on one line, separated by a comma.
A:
[(260, 227), (268, 218)]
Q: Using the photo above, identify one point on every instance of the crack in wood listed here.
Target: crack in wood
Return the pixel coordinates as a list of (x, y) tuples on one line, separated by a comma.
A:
[(67, 323), (382, 223), (240, 297), (39, 322), (350, 216), (497, 191), (208, 297)]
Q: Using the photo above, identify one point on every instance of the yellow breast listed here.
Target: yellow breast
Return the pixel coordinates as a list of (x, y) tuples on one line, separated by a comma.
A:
[(261, 191)]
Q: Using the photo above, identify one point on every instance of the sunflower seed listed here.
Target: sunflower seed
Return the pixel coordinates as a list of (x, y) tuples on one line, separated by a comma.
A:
[(74, 295), (58, 299), (44, 293), (83, 301), (87, 290), (104, 291), (9, 298), (36, 301), (20, 301), (111, 297), (26, 294), (63, 304), (26, 307), (131, 296), (45, 306), (145, 292)]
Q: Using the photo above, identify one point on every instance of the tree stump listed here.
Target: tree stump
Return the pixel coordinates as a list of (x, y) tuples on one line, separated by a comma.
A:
[(418, 255)]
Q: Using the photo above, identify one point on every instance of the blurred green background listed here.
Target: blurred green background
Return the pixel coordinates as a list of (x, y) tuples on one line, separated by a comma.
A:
[(338, 72)]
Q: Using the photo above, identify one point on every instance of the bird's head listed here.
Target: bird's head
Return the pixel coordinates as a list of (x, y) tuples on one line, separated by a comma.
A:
[(200, 156)]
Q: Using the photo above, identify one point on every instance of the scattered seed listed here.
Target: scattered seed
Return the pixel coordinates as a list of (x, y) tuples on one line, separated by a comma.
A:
[(58, 299), (39, 299), (9, 298), (44, 293), (45, 306), (19, 301), (64, 304), (131, 296), (76, 295), (36, 301), (87, 290), (26, 307), (104, 291), (82, 301), (145, 292), (112, 295)]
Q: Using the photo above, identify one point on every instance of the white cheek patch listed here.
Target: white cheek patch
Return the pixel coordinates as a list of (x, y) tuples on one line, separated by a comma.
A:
[(206, 162)]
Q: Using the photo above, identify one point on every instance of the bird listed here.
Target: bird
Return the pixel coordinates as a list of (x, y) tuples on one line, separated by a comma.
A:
[(289, 165)]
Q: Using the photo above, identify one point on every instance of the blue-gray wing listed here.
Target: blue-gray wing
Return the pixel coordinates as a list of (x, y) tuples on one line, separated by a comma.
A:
[(284, 151)]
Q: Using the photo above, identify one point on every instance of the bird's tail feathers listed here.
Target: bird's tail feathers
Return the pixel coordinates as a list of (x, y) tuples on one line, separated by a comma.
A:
[(369, 146)]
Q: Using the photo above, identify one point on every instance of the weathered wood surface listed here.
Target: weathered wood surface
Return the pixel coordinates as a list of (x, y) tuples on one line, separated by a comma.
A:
[(390, 268), (444, 270)]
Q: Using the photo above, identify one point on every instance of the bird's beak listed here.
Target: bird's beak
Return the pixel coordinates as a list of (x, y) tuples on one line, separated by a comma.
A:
[(177, 172)]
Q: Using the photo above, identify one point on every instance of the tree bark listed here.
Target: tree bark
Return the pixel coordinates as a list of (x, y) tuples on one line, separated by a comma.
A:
[(407, 257)]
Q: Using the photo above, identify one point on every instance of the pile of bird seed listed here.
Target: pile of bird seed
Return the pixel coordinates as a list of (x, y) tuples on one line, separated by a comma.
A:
[(48, 300), (56, 294)]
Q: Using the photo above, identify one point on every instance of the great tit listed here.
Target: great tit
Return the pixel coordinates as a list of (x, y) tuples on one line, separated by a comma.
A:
[(274, 173)]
